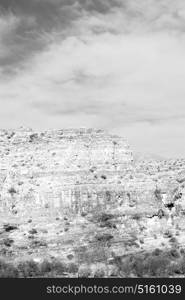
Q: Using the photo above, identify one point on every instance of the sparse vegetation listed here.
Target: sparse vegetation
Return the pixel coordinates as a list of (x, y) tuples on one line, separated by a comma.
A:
[(88, 213), (33, 137), (12, 191), (33, 231), (157, 194), (161, 213), (136, 216), (93, 263), (9, 227), (28, 269), (8, 242), (159, 263)]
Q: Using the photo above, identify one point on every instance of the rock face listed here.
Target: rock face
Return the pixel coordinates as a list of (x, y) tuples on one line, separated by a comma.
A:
[(80, 171), (79, 195), (67, 169)]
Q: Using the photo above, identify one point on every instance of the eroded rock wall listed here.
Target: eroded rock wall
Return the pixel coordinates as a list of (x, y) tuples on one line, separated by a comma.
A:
[(64, 169), (81, 171)]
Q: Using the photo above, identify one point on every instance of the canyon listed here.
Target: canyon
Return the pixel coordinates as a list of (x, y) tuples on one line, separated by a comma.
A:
[(79, 196)]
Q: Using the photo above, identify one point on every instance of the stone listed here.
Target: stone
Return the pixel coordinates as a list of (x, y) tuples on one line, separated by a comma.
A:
[(88, 198)]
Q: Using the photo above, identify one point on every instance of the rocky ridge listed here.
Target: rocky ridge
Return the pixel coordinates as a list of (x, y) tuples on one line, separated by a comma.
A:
[(78, 195)]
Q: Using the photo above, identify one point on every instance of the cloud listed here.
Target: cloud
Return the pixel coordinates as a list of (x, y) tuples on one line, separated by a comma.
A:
[(35, 22), (166, 139), (119, 65), (40, 22), (7, 25)]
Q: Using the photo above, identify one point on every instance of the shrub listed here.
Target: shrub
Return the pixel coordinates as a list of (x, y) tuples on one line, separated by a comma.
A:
[(99, 270), (160, 213), (8, 242), (29, 269), (59, 267), (45, 267), (32, 137), (37, 243), (157, 194), (103, 217), (173, 240), (174, 253), (7, 270), (70, 256), (33, 231), (108, 196), (157, 252), (84, 271), (168, 234), (72, 268), (105, 237), (156, 264), (12, 191), (136, 217), (9, 227)]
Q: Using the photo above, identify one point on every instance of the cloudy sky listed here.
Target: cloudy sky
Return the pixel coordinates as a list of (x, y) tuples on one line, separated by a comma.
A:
[(112, 64)]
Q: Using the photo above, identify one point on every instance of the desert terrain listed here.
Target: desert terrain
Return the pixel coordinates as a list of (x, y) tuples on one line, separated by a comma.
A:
[(78, 203)]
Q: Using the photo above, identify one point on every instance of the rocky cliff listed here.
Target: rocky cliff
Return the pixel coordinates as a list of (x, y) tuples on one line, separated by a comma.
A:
[(71, 192), (65, 169)]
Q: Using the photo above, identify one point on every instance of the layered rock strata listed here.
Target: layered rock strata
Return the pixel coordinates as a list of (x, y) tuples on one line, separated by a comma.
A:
[(80, 196), (80, 171)]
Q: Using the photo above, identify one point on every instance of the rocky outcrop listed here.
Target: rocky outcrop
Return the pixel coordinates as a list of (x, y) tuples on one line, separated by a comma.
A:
[(80, 197), (66, 169), (80, 171)]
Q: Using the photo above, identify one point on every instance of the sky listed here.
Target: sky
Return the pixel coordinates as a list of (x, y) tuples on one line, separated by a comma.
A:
[(118, 65)]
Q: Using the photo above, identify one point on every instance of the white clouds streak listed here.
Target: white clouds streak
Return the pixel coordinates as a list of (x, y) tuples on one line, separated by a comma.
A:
[(7, 26)]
